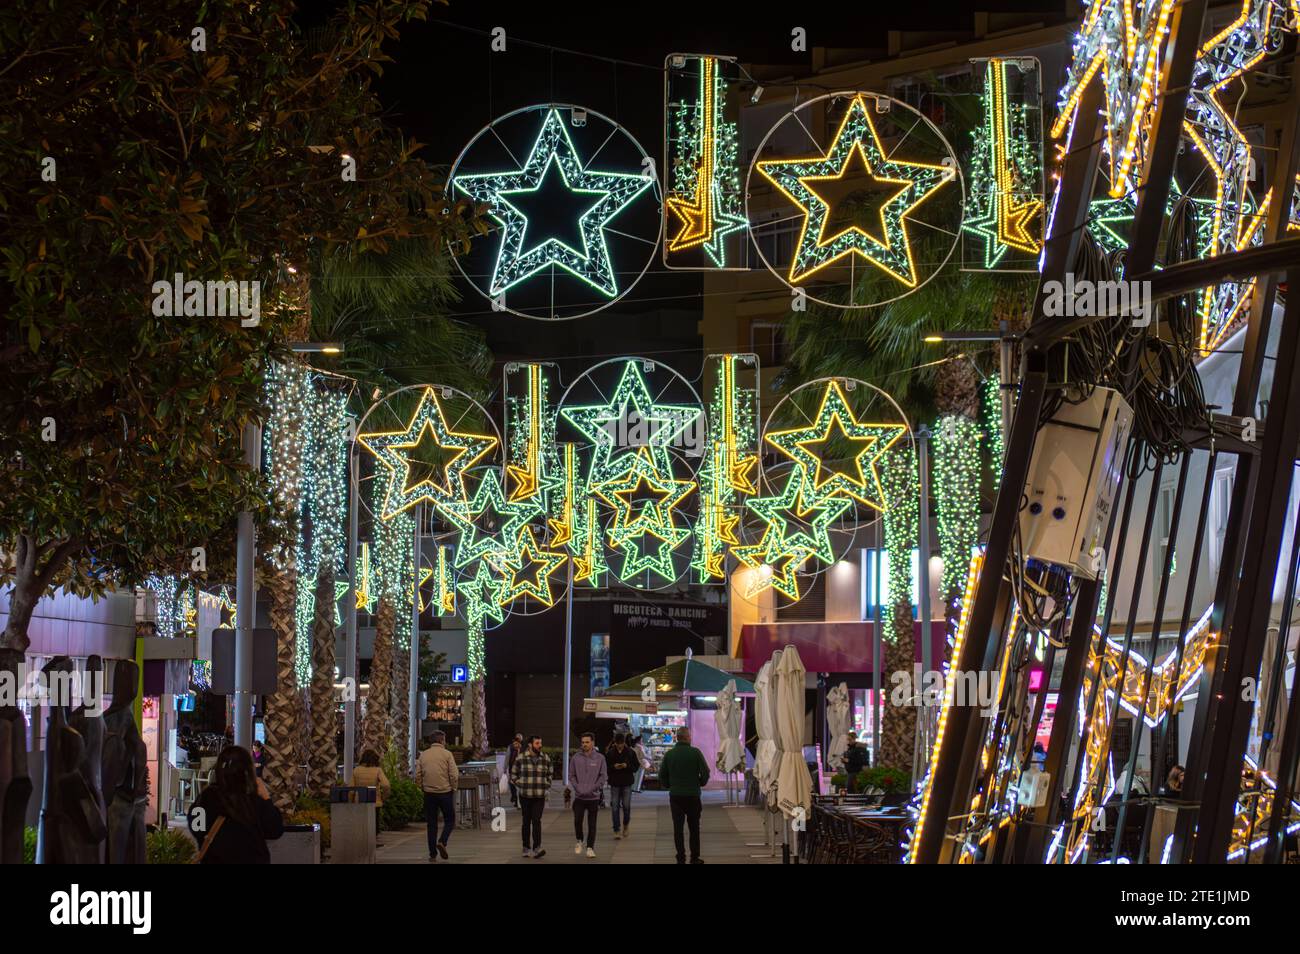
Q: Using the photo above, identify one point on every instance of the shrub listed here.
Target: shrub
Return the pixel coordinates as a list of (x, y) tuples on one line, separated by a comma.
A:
[(404, 804), (839, 780), (169, 846), (891, 781), (29, 846), (312, 811)]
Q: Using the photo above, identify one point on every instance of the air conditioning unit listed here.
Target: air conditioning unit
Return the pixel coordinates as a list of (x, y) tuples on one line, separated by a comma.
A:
[(1073, 478)]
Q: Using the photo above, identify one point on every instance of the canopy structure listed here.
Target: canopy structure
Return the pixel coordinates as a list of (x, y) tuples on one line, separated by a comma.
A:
[(684, 675)]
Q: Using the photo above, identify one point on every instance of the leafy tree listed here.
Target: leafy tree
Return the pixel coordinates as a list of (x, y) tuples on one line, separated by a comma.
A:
[(142, 141)]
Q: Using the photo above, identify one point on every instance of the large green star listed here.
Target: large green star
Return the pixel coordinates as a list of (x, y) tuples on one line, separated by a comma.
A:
[(642, 498), (483, 592), (631, 420), (528, 569), (591, 199), (799, 524), (442, 484), (650, 549), (812, 447), (854, 168)]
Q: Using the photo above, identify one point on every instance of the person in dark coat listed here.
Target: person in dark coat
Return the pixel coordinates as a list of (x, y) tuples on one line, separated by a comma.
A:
[(234, 818), (855, 760)]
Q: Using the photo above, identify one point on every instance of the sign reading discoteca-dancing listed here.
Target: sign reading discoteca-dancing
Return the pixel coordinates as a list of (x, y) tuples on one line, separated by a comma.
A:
[(576, 206)]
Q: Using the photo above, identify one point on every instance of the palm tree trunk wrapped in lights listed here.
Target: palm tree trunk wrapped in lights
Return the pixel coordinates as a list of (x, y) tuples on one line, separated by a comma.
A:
[(898, 725), (478, 741), (401, 699), (283, 707), (375, 732), (323, 753)]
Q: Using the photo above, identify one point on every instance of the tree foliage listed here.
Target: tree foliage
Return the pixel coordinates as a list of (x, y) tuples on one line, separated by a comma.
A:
[(142, 141)]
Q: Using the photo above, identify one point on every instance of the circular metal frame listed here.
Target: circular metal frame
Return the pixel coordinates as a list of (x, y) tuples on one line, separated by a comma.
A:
[(616, 128), (850, 94)]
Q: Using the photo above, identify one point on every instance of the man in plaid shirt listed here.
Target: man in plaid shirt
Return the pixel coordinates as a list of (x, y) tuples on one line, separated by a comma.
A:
[(532, 775)]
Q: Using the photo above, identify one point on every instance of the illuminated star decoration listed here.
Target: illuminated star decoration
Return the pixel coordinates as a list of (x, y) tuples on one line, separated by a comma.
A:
[(799, 524), (729, 468), (854, 155), (531, 437), (341, 588), (445, 586), (808, 447), (779, 571), (630, 420), (443, 484), (644, 525), (528, 569), (700, 210), (489, 522), (1121, 41), (482, 593), (1006, 179), (554, 173)]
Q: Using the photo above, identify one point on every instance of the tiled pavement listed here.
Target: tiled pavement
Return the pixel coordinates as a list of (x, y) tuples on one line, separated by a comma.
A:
[(723, 836)]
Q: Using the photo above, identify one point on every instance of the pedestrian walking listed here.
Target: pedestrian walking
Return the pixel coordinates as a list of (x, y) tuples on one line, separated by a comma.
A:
[(369, 775), (621, 766), (531, 775), (587, 775), (516, 749), (438, 777), (683, 772)]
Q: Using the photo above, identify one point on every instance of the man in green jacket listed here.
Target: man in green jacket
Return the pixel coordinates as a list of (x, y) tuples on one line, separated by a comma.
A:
[(683, 771)]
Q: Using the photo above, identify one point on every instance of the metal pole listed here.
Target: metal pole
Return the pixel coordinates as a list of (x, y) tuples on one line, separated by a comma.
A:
[(1005, 386), (246, 599), (923, 577), (876, 708), (568, 670), (413, 682), (350, 625)]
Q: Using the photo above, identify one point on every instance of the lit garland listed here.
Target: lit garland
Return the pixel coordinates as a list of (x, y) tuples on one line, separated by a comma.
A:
[(483, 594), (956, 492), (1006, 199), (855, 153), (705, 204), (836, 423), (168, 619), (902, 523), (992, 408), (532, 460), (442, 484), (553, 162), (365, 581), (393, 568)]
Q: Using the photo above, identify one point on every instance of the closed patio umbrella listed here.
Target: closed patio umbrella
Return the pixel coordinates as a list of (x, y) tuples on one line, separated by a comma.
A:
[(765, 756), (837, 724), (794, 784), (731, 755)]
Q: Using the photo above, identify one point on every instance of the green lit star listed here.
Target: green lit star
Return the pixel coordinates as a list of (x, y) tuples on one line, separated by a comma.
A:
[(798, 524)]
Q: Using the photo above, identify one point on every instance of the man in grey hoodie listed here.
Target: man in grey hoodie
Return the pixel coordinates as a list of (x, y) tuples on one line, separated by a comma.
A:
[(587, 779)]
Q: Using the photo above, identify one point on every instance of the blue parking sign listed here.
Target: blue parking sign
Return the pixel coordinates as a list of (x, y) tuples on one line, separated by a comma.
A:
[(459, 674)]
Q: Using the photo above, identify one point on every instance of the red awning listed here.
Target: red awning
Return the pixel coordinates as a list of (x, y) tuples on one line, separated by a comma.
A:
[(826, 647)]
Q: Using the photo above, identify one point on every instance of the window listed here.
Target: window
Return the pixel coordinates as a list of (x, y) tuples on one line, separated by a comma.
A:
[(1220, 506), (767, 340)]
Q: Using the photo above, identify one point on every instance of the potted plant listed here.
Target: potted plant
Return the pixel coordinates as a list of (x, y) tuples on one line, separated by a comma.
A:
[(893, 783)]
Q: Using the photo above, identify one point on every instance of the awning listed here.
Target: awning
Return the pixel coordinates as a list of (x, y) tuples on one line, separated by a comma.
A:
[(698, 677)]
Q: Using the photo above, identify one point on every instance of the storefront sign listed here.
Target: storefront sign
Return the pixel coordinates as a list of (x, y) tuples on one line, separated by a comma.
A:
[(641, 616), (608, 704)]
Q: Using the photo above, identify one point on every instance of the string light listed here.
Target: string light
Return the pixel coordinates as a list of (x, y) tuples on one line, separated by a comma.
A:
[(956, 446), (902, 489), (855, 151), (554, 161)]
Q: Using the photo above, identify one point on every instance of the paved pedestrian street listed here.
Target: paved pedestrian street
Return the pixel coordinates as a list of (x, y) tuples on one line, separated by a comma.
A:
[(724, 833)]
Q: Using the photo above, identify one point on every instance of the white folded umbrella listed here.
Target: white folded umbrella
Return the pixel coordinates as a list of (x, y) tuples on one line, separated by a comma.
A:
[(765, 756), (731, 754), (794, 784), (837, 724)]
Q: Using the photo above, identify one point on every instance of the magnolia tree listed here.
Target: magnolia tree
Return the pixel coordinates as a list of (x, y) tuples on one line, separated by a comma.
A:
[(168, 168)]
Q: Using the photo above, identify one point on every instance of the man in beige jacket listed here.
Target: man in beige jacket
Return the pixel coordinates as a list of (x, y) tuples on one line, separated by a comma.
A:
[(438, 778)]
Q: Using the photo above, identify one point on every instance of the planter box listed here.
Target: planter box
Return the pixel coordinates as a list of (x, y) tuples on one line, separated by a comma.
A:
[(299, 845)]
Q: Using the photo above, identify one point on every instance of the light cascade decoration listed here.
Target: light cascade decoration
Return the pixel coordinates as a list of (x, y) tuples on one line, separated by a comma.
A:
[(730, 469), (442, 484), (856, 160), (1005, 205), (530, 244), (956, 492), (705, 204)]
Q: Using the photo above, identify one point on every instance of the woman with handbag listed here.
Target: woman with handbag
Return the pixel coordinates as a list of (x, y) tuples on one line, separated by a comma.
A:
[(234, 818)]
